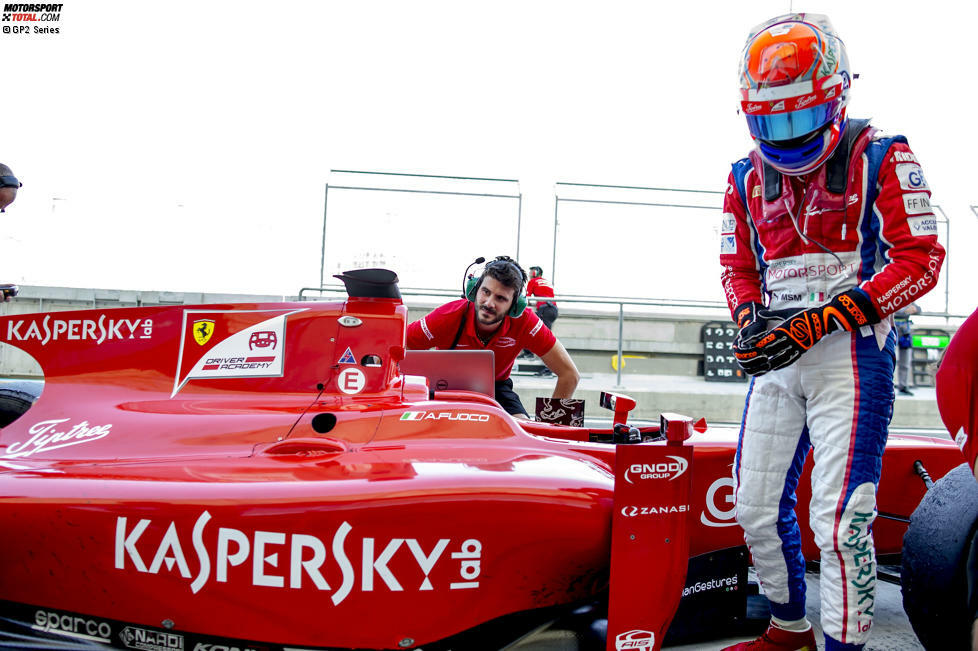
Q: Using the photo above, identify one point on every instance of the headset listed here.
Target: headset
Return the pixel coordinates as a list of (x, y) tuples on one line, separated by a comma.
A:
[(519, 301), (10, 181)]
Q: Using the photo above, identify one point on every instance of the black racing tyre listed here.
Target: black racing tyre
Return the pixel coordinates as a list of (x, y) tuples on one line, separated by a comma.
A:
[(12, 404), (935, 550)]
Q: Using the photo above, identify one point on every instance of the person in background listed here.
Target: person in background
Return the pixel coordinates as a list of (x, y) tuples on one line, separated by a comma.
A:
[(901, 320), (493, 316), (540, 288), (827, 230), (8, 192), (8, 187)]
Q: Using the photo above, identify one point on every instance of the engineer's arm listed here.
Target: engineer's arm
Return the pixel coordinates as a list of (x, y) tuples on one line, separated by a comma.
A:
[(558, 361)]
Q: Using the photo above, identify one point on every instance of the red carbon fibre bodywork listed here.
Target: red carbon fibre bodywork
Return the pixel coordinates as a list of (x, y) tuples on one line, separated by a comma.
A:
[(227, 468)]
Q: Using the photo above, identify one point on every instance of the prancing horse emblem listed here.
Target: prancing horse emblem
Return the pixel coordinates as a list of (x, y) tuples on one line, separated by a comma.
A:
[(203, 329)]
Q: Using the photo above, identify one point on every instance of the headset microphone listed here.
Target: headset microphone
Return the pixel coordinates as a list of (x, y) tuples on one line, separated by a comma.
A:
[(465, 276)]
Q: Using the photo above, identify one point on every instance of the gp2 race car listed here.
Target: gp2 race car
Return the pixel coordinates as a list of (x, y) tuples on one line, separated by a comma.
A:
[(263, 476)]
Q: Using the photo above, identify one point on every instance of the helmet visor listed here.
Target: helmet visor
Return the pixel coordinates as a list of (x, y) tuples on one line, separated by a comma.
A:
[(793, 124)]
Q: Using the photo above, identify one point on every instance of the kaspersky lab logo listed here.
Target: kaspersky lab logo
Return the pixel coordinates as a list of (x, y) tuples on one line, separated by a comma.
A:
[(445, 415)]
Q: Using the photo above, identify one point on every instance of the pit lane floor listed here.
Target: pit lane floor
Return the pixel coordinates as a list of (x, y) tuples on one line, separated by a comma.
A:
[(891, 628)]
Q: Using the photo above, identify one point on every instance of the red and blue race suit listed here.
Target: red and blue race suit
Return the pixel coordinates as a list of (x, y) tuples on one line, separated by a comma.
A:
[(796, 249)]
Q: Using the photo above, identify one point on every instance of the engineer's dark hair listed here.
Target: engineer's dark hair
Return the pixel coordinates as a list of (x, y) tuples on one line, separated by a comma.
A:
[(508, 272)]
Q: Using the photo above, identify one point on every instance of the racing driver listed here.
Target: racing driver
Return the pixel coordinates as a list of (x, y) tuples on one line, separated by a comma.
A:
[(493, 316), (827, 230)]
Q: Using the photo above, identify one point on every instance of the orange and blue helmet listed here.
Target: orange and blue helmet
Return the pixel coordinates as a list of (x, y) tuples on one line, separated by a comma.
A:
[(794, 84)]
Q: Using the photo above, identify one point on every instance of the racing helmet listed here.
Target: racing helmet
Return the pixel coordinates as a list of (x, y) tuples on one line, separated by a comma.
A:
[(794, 84)]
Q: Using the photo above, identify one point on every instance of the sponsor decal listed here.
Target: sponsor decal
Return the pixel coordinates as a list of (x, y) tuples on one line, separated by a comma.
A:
[(150, 640), (864, 581), (104, 329), (635, 511), (289, 560), (916, 203), (666, 470), (729, 224), (907, 289), (72, 626), (786, 297), (203, 329), (347, 357), (753, 108), (830, 94), (726, 584), (351, 381), (719, 493), (802, 102), (961, 438), (853, 309), (506, 342), (792, 271), (853, 199), (911, 177), (231, 344), (348, 321), (635, 639), (263, 339), (201, 646), (777, 106), (535, 328), (904, 157), (444, 415), (728, 244), (425, 330), (923, 225), (54, 434)]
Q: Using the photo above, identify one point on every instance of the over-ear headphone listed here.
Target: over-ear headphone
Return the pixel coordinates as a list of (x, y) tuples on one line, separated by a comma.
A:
[(519, 301)]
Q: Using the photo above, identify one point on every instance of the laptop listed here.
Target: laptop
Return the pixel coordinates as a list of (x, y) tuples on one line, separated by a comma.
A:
[(468, 370)]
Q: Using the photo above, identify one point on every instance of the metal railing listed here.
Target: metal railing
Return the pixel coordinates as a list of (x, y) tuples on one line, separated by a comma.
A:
[(594, 300)]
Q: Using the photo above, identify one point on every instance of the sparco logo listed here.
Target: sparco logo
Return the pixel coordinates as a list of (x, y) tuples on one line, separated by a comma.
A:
[(148, 640), (52, 622), (636, 639), (662, 470), (293, 560)]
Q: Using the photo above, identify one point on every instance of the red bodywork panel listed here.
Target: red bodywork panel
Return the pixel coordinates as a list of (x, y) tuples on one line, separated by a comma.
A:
[(251, 471)]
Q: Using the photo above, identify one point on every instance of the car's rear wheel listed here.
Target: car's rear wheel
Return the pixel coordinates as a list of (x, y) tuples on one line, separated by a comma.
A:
[(935, 552)]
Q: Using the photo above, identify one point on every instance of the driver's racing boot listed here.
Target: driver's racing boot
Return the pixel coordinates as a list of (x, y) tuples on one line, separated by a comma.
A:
[(778, 639)]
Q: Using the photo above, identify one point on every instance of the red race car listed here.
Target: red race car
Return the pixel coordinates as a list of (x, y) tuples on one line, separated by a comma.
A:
[(174, 488)]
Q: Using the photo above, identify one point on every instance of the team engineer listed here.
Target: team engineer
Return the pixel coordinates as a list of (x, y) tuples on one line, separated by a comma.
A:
[(493, 316)]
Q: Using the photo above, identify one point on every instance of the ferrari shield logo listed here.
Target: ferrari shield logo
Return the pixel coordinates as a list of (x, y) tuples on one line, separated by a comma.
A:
[(203, 329)]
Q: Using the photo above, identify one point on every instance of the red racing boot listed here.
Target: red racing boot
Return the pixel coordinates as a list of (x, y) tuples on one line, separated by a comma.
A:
[(778, 639)]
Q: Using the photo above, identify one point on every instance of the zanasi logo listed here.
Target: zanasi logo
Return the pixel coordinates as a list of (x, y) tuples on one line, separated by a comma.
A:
[(662, 470), (634, 511), (635, 639)]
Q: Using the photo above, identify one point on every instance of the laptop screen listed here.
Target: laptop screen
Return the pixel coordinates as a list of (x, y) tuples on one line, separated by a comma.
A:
[(468, 370)]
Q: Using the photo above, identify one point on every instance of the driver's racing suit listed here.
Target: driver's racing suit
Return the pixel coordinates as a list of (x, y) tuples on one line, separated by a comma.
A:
[(877, 232)]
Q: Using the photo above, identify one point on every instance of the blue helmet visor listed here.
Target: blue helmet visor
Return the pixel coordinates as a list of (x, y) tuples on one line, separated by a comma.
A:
[(786, 126)]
